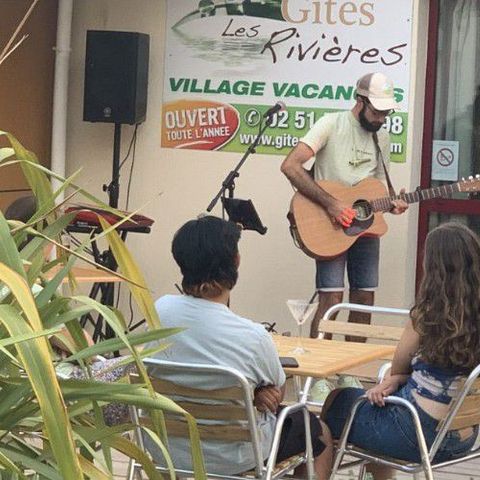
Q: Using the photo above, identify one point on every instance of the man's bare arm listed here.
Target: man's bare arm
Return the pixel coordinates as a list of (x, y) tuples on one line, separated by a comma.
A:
[(268, 397), (292, 168)]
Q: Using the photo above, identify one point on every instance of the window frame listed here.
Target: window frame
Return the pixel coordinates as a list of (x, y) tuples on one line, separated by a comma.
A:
[(447, 206)]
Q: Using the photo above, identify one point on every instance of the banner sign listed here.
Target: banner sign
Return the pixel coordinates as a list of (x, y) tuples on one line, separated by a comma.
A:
[(228, 61)]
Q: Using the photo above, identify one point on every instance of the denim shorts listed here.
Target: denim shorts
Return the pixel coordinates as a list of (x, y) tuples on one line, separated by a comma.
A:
[(362, 267), (389, 430)]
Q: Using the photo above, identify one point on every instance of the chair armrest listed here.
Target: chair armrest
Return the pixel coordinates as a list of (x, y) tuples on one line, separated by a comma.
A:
[(305, 392), (383, 370), (364, 308), (272, 459), (388, 400)]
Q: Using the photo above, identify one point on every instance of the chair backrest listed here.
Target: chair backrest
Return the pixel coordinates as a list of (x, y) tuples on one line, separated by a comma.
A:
[(464, 410), (379, 332), (225, 414)]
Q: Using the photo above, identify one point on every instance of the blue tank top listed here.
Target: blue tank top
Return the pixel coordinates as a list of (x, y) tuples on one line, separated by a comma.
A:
[(436, 383)]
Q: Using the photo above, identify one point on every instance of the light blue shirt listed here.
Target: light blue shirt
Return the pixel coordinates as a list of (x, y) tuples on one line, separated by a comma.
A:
[(215, 335)]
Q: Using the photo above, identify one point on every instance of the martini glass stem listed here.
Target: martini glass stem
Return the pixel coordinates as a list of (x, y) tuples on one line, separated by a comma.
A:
[(300, 345)]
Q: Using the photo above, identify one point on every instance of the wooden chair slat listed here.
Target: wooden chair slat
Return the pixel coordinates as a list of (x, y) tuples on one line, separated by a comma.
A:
[(288, 464), (467, 420), (468, 414), (471, 404), (214, 412), (367, 372), (379, 332), (169, 388), (476, 386), (224, 433)]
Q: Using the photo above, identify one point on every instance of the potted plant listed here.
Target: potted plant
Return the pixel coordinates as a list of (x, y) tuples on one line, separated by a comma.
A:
[(64, 417)]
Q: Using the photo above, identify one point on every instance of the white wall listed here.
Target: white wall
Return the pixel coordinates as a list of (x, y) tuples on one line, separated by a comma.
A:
[(272, 269)]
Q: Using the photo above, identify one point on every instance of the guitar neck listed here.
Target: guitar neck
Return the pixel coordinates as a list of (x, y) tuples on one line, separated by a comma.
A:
[(385, 204)]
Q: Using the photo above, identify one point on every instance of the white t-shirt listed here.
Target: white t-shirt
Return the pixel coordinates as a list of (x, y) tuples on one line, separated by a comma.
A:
[(344, 151), (215, 335)]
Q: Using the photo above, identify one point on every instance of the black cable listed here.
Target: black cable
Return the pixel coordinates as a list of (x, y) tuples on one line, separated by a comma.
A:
[(130, 176), (130, 305), (133, 140), (133, 143), (78, 243)]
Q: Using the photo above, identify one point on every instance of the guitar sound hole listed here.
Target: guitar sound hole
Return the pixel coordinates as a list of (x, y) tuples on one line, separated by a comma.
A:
[(363, 209)]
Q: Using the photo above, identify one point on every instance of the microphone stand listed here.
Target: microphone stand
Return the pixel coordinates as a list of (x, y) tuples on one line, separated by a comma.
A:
[(229, 182)]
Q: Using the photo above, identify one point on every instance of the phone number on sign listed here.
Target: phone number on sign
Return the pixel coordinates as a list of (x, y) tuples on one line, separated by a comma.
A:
[(301, 120)]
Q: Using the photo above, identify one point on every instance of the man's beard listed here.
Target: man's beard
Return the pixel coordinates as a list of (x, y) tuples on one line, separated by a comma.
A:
[(367, 125)]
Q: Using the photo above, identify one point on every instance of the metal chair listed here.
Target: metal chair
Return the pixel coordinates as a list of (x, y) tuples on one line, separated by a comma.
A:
[(464, 412), (378, 332), (231, 409), (368, 373)]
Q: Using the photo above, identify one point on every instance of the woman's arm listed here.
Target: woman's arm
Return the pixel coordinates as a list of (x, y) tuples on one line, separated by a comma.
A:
[(388, 386), (406, 350), (401, 366)]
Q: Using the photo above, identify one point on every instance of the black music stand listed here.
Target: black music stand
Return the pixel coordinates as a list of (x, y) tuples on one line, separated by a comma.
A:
[(243, 212)]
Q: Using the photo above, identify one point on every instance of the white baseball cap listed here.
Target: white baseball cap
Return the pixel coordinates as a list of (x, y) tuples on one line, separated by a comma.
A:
[(378, 88)]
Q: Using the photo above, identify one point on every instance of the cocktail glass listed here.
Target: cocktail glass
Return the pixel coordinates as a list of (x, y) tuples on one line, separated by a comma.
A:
[(301, 310)]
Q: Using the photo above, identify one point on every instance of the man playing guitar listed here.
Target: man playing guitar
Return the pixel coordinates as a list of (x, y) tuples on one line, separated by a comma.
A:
[(345, 150)]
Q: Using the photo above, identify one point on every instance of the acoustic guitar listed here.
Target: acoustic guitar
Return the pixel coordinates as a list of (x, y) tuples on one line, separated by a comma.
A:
[(312, 228)]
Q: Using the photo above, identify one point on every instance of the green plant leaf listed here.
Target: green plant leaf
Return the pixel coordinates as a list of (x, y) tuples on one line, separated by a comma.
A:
[(129, 268), (10, 466), (128, 448), (30, 462), (93, 472), (115, 344), (37, 180), (35, 357), (6, 152), (8, 249)]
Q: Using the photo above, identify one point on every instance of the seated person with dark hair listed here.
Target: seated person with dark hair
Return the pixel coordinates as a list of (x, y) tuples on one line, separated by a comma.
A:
[(206, 251), (22, 209)]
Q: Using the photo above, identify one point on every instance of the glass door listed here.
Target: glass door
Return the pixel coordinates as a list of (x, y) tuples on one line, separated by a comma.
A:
[(451, 140)]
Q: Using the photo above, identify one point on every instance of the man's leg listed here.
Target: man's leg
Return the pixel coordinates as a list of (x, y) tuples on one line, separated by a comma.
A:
[(329, 282), (380, 472), (292, 442), (322, 464), (325, 301), (363, 297), (362, 269)]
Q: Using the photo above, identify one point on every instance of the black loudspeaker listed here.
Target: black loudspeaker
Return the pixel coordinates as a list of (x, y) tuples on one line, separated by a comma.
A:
[(116, 77)]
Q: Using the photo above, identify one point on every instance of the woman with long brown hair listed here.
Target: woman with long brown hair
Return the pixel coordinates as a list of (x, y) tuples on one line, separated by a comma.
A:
[(438, 349)]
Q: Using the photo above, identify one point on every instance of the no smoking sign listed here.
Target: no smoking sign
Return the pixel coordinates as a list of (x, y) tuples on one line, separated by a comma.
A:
[(445, 160), (445, 157)]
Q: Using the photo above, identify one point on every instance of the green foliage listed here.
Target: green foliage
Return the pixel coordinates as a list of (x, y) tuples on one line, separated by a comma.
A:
[(50, 427)]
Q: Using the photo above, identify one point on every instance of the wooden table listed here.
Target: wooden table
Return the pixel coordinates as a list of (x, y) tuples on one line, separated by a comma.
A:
[(85, 275), (328, 357)]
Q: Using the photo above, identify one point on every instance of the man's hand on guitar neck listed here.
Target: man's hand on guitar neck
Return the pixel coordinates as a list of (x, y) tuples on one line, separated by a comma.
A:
[(399, 206), (341, 213)]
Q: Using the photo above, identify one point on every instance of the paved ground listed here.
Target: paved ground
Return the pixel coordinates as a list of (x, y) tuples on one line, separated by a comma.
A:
[(465, 471)]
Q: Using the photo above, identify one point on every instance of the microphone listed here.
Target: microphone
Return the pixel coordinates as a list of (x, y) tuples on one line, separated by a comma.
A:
[(278, 107)]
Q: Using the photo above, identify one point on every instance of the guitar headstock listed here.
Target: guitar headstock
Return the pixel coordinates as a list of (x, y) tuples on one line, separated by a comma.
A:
[(470, 184)]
